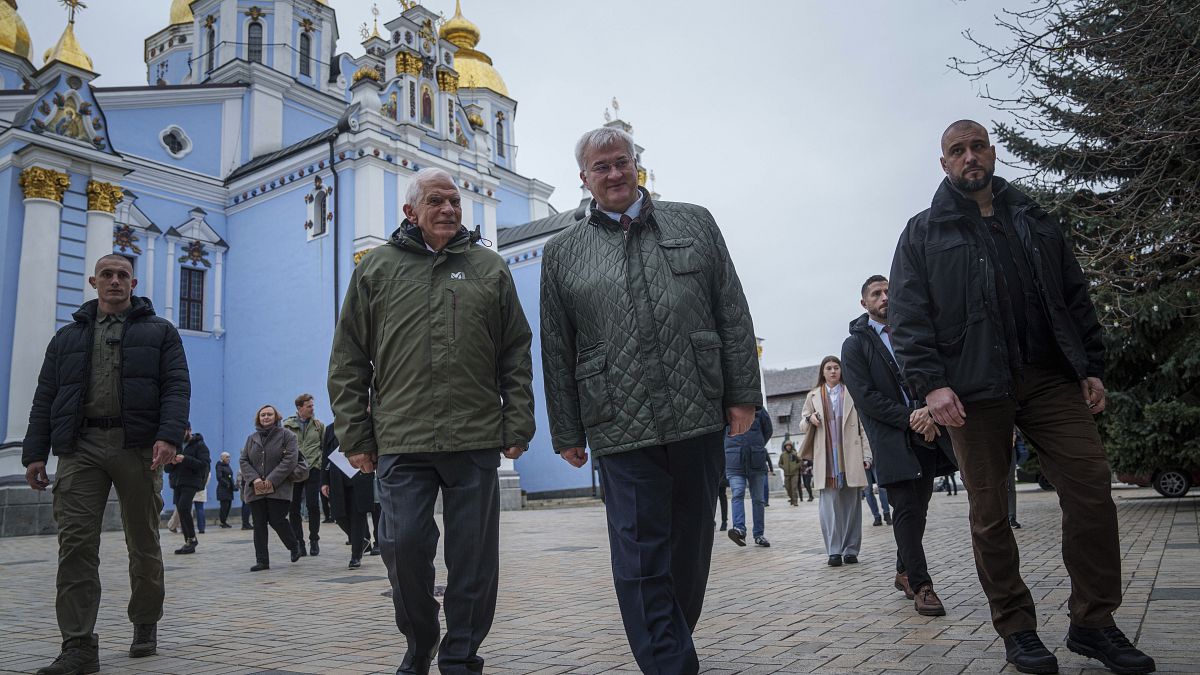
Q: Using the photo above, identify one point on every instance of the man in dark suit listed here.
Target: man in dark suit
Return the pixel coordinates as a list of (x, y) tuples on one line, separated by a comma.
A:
[(909, 448)]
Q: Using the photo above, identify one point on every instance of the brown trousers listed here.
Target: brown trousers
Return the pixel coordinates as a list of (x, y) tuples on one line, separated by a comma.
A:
[(1051, 413)]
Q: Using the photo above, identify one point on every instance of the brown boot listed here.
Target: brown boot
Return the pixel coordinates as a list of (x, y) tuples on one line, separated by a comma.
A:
[(902, 585), (928, 603)]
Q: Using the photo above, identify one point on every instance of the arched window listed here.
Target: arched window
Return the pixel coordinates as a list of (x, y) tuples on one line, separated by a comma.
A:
[(210, 40), (500, 137), (255, 39), (305, 55), (426, 107)]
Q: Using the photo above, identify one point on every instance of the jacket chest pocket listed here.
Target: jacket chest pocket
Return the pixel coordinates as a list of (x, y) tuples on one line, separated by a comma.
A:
[(591, 383), (681, 255), (957, 290), (706, 348)]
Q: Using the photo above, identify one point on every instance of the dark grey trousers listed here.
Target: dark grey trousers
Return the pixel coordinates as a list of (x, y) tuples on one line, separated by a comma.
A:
[(408, 487)]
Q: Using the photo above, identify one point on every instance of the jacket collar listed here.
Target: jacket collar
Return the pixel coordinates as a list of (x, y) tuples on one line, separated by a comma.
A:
[(602, 219), (139, 308), (408, 237), (949, 204)]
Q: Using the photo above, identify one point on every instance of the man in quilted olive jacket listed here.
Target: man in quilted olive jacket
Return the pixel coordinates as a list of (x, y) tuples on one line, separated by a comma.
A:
[(648, 352)]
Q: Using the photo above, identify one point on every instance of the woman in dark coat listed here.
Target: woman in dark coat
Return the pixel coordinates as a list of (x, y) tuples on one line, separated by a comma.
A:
[(225, 487), (268, 460), (189, 474), (351, 500)]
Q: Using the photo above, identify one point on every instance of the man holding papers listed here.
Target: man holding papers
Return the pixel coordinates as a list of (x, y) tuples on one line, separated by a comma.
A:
[(430, 380), (351, 495)]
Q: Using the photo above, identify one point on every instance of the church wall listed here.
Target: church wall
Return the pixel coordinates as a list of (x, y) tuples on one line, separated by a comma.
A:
[(12, 211), (513, 208), (10, 78), (136, 131), (205, 356), (245, 142), (300, 123), (540, 468), (172, 68), (279, 308)]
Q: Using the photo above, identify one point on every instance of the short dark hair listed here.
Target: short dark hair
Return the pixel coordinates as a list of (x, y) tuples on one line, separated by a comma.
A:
[(302, 399), (113, 256), (960, 124), (873, 279)]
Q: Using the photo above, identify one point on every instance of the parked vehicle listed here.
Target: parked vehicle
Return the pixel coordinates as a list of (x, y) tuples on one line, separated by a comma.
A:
[(1172, 481)]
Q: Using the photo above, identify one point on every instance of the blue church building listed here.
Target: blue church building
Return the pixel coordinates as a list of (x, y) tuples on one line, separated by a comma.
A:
[(243, 182)]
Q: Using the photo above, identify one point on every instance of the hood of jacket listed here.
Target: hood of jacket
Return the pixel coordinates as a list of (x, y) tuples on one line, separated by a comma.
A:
[(410, 238), (138, 308), (862, 324)]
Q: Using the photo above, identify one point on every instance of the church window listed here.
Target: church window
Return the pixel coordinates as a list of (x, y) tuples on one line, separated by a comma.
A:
[(175, 141), (254, 33), (500, 137), (210, 38), (191, 299), (305, 55), (426, 106)]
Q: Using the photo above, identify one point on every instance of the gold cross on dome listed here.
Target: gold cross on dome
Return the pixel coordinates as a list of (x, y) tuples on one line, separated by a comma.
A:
[(72, 6)]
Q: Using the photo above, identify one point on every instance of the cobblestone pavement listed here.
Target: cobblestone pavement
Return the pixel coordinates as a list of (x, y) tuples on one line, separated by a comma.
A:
[(776, 610)]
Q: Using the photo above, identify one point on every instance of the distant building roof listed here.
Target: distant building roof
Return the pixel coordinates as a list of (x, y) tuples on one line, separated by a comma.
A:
[(542, 227), (790, 380)]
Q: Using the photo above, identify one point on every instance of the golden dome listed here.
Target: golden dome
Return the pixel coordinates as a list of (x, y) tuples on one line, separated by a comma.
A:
[(181, 12), (14, 37), (68, 51), (474, 68)]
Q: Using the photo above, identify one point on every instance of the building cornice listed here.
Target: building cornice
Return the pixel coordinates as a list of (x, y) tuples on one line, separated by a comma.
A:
[(163, 97)]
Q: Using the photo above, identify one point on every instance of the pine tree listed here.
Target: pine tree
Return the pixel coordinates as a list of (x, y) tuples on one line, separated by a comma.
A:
[(1106, 122)]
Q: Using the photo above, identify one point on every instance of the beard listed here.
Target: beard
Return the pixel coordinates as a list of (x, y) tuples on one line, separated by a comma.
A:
[(879, 314), (973, 185)]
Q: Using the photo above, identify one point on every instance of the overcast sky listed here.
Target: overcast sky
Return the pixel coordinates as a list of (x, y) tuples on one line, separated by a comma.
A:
[(809, 129)]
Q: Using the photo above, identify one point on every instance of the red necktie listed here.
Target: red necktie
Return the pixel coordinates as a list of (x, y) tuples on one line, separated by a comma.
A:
[(625, 221)]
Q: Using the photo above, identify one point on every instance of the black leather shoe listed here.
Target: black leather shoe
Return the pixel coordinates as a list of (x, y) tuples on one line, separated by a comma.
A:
[(79, 656), (375, 548), (247, 527), (1024, 649), (413, 665), (355, 563), (1012, 522), (737, 536), (878, 522), (314, 549), (850, 559), (298, 552), (762, 541), (887, 518), (260, 567), (835, 561), (1110, 647), (724, 526), (187, 548), (145, 640)]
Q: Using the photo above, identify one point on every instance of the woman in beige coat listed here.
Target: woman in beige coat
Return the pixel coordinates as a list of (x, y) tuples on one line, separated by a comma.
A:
[(267, 462), (840, 456)]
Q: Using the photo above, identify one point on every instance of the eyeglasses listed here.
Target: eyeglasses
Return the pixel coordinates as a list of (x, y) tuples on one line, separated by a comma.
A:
[(621, 165)]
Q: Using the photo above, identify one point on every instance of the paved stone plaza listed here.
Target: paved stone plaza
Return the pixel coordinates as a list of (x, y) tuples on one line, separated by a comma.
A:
[(777, 610)]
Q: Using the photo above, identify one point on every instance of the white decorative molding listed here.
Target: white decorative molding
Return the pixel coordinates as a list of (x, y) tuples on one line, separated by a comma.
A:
[(184, 140)]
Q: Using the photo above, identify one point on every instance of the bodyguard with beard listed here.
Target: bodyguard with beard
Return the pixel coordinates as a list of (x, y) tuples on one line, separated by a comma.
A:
[(992, 325)]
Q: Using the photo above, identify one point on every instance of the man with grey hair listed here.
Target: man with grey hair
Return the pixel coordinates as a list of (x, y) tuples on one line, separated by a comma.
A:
[(430, 380), (648, 353)]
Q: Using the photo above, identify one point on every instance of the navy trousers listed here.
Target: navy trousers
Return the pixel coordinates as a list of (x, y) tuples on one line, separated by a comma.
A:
[(660, 503)]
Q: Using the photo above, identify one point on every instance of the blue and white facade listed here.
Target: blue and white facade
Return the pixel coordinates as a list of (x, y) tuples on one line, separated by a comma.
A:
[(243, 181)]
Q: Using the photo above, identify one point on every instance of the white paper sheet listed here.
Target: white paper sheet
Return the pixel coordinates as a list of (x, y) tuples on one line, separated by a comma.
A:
[(339, 460)]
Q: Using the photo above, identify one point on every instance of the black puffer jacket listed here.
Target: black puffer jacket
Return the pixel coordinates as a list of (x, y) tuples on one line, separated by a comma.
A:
[(947, 326), (192, 472), (155, 388), (646, 334), (225, 486), (873, 378)]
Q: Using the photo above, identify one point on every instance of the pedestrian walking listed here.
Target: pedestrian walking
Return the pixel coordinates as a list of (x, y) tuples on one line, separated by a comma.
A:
[(310, 433), (111, 403), (806, 476), (245, 508), (351, 499), (881, 510), (648, 355), (225, 488), (908, 448), (789, 461), (269, 460), (949, 485), (746, 462), (425, 316), (841, 455), (993, 325), (188, 470), (724, 501), (198, 499)]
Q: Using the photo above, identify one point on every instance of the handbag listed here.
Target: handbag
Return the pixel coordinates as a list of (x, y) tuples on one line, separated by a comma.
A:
[(264, 488)]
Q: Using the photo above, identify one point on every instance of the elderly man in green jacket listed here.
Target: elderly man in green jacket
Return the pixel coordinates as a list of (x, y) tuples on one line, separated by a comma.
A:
[(648, 353), (430, 380)]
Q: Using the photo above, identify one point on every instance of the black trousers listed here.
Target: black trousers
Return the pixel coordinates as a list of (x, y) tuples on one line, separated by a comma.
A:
[(910, 505), (308, 492), (660, 503), (408, 487), (226, 504), (183, 506), (376, 514), (273, 512), (354, 524), (245, 514)]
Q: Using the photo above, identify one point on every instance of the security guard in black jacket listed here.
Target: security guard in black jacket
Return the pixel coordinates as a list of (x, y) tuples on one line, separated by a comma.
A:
[(112, 403), (993, 325)]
